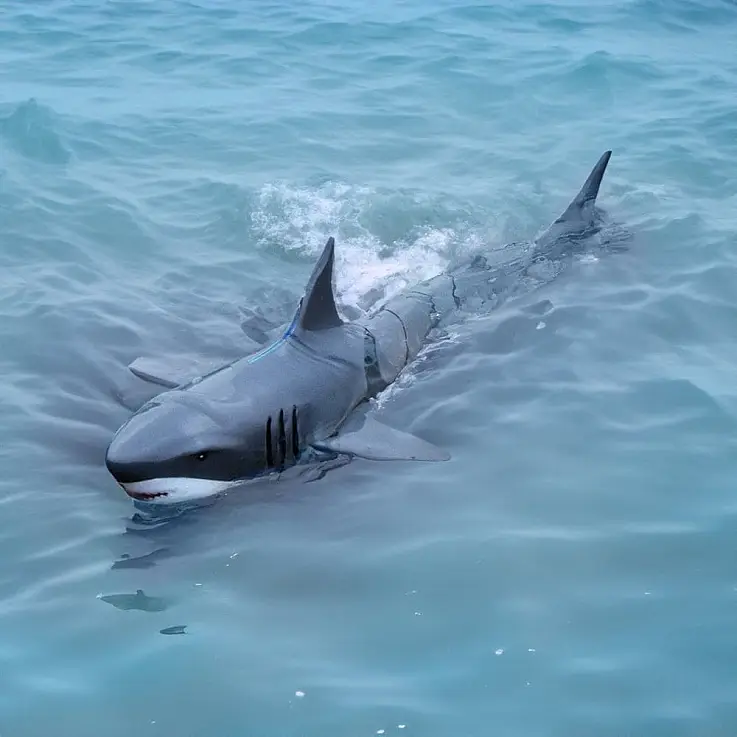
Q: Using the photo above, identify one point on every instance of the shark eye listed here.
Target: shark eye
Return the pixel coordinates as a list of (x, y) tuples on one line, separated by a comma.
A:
[(201, 456)]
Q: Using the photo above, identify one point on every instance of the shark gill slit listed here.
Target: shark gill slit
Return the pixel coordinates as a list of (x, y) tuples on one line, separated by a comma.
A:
[(269, 452), (282, 439), (295, 433)]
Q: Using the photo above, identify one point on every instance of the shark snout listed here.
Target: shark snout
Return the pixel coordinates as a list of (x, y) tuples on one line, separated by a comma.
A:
[(134, 475), (130, 457), (124, 470), (133, 459), (164, 455)]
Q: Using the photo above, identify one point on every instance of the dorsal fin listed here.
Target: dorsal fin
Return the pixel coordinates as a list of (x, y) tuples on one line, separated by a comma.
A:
[(589, 191), (581, 213), (317, 310)]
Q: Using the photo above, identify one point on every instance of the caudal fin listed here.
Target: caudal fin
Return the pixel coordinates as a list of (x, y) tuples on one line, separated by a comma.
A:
[(585, 199)]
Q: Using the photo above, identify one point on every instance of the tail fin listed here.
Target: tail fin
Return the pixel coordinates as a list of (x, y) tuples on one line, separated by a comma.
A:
[(582, 202)]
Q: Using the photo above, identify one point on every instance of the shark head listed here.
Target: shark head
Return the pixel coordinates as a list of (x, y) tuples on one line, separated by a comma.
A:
[(183, 446), (245, 419)]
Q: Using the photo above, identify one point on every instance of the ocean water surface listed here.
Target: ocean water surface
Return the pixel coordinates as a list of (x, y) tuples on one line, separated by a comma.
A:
[(167, 166)]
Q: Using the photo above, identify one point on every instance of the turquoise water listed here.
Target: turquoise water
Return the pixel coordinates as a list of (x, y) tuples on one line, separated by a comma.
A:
[(572, 570)]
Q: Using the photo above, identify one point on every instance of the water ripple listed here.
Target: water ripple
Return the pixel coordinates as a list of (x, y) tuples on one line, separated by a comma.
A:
[(166, 166)]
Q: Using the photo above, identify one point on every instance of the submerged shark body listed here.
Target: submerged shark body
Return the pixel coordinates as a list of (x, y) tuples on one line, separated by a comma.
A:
[(261, 413)]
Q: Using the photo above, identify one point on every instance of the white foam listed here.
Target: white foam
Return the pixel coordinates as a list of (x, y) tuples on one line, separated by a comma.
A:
[(302, 218)]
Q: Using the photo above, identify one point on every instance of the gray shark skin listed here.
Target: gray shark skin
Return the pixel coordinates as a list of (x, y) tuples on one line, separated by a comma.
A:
[(304, 391)]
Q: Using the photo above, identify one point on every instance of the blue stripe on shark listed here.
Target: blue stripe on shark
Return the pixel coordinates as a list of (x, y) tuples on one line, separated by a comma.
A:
[(271, 348)]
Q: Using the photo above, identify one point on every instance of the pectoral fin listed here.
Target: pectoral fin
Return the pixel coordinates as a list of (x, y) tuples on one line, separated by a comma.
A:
[(365, 437), (260, 328), (169, 372)]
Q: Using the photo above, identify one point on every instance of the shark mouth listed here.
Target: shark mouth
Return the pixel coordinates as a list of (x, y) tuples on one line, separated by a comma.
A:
[(143, 496), (174, 490)]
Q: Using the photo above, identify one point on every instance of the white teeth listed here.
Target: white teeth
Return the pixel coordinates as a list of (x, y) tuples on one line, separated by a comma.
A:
[(174, 490)]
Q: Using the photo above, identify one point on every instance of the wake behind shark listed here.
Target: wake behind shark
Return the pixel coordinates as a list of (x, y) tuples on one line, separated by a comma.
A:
[(305, 391)]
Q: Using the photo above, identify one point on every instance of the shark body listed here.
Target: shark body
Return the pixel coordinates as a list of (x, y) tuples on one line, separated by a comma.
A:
[(304, 391)]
